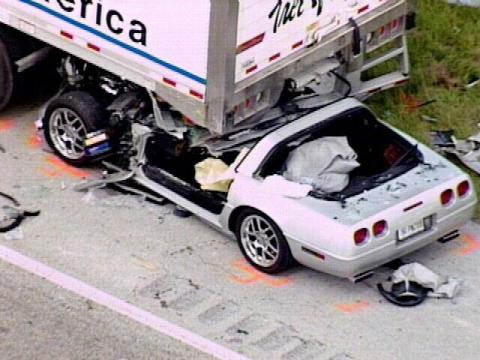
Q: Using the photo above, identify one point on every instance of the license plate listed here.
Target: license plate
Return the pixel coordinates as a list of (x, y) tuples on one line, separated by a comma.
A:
[(411, 230)]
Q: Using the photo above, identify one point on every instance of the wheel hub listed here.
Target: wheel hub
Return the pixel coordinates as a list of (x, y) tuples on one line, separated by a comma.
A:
[(259, 241), (68, 132)]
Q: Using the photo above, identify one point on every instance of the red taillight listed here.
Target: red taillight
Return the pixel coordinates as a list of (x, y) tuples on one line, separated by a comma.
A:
[(446, 197), (360, 236), (380, 228), (463, 188)]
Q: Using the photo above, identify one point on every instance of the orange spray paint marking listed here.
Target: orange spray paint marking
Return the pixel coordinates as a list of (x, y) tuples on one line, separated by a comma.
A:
[(61, 168), (252, 276), (352, 308), (411, 103), (471, 243), (6, 125), (34, 141), (49, 173)]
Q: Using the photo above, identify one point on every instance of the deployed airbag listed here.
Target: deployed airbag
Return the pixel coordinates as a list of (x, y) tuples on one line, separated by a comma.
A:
[(324, 163)]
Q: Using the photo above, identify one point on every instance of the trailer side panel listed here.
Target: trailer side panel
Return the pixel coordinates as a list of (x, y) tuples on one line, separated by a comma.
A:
[(166, 42)]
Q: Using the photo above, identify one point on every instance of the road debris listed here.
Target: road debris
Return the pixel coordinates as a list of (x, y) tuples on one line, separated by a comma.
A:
[(467, 151), (412, 283), (11, 215), (14, 235), (105, 197)]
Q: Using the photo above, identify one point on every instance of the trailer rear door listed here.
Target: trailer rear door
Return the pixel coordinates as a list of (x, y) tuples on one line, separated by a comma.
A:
[(270, 30)]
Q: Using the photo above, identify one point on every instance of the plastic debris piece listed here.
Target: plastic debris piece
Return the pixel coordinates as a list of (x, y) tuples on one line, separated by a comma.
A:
[(439, 286), (14, 235), (277, 184), (411, 283), (467, 151)]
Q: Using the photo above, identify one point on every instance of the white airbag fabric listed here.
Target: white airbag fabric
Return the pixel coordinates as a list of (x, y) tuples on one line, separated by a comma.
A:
[(324, 163), (440, 286)]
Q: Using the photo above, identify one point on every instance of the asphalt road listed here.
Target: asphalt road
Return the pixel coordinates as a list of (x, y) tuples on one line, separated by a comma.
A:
[(41, 321), (186, 273)]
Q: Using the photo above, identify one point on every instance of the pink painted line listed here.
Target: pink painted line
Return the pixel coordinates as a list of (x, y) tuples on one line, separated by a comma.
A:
[(122, 307)]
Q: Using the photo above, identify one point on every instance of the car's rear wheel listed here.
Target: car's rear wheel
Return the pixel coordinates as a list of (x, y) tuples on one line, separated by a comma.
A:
[(262, 242)]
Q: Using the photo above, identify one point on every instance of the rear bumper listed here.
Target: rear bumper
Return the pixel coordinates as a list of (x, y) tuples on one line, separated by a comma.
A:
[(351, 267)]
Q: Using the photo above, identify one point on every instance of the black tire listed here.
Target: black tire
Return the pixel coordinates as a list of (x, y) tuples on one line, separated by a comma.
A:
[(284, 258), (14, 45), (89, 112), (7, 74)]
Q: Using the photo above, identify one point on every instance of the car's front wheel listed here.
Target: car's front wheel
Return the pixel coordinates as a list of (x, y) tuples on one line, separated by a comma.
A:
[(262, 242), (68, 119)]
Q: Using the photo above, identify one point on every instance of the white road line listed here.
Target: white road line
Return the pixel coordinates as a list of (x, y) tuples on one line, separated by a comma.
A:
[(122, 307)]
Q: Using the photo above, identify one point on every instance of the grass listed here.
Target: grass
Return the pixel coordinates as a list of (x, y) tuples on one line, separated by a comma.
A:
[(445, 56)]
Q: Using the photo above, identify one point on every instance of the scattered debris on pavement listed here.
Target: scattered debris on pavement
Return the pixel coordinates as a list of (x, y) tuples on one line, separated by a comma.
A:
[(467, 151), (14, 235), (11, 214), (106, 197), (412, 283)]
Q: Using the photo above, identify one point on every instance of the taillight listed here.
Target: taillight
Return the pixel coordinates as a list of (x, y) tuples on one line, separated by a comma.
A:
[(380, 228), (360, 236), (446, 198), (463, 188)]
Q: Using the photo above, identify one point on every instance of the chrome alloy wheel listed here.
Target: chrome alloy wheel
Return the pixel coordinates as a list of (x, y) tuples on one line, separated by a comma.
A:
[(259, 241), (68, 133)]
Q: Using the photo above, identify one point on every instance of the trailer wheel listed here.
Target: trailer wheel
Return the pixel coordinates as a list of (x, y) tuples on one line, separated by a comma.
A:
[(67, 121), (7, 74)]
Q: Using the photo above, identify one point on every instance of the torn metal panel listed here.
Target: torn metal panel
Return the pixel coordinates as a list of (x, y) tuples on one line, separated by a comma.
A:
[(467, 151)]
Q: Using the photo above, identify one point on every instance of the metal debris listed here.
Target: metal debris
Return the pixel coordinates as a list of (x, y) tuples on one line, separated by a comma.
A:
[(467, 151)]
